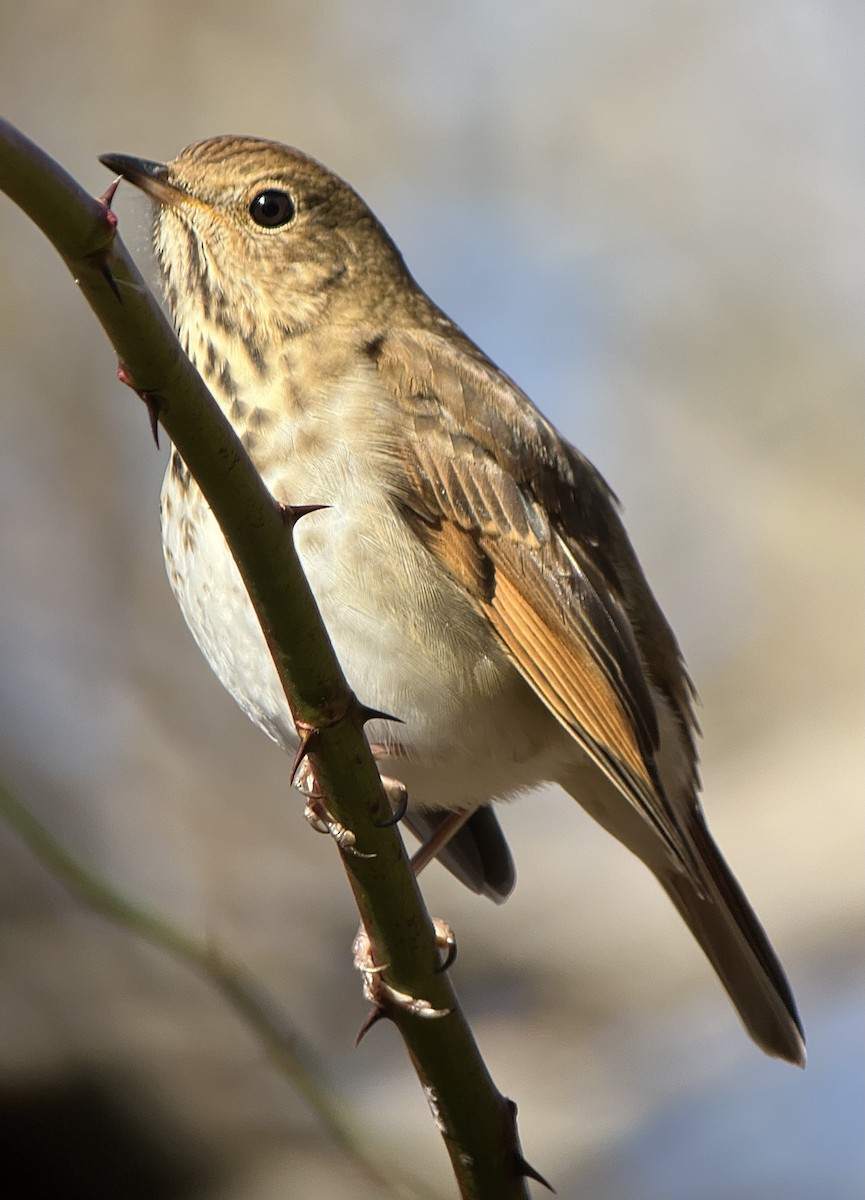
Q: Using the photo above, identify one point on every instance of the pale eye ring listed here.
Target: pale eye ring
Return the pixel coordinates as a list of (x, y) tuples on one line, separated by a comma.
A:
[(272, 208)]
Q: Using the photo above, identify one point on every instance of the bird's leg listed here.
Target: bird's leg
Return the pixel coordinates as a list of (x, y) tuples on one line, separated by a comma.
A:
[(437, 841), (376, 989), (381, 994), (397, 794), (453, 823)]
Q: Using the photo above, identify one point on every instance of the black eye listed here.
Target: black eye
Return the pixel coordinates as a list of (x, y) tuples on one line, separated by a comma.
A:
[(272, 208)]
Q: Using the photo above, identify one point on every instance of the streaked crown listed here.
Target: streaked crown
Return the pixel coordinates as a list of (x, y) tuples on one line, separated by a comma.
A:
[(255, 236)]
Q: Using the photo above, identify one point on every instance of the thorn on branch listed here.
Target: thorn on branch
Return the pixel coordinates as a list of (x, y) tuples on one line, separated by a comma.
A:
[(155, 405), (364, 713), (528, 1172), (373, 1017), (155, 401), (106, 199), (306, 733), (523, 1168), (291, 513), (99, 257)]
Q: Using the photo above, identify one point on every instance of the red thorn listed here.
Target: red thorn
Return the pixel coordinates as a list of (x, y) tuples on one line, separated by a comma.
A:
[(106, 216), (107, 197), (123, 374), (109, 220), (375, 1015)]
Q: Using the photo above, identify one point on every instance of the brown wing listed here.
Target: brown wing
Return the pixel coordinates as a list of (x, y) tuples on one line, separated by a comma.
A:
[(530, 529)]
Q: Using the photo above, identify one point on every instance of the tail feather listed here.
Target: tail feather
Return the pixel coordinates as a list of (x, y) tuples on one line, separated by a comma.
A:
[(736, 945), (714, 908)]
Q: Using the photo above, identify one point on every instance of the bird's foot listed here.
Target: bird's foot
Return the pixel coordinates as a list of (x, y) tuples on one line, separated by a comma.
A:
[(318, 816), (397, 794), (383, 995), (445, 941)]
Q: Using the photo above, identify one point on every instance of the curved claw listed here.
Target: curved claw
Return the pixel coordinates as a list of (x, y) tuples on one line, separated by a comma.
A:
[(445, 940), (347, 846), (398, 813), (381, 994), (449, 958)]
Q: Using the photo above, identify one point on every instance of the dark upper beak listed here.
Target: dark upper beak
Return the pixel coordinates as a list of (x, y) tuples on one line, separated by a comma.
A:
[(151, 177)]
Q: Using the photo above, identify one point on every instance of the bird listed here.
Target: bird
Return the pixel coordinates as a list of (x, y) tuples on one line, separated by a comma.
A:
[(471, 566)]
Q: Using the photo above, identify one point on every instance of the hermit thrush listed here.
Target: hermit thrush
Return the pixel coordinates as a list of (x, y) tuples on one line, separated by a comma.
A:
[(470, 565)]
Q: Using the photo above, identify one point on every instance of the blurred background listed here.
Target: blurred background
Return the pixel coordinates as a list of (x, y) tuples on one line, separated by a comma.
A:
[(650, 215)]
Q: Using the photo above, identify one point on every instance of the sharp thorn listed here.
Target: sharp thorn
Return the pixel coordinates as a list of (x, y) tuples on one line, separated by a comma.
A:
[(375, 1015), (291, 513), (106, 216), (523, 1168), (154, 400), (306, 733), (155, 405), (109, 220), (108, 195), (528, 1172), (365, 713)]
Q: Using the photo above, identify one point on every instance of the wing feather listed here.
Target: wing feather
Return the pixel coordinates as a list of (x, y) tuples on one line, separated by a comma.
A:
[(529, 528)]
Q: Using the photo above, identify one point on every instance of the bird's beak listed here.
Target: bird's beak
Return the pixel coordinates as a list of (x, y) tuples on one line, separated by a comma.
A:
[(151, 177)]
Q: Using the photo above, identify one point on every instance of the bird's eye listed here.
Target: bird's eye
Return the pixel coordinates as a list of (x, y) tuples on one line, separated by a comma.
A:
[(272, 208)]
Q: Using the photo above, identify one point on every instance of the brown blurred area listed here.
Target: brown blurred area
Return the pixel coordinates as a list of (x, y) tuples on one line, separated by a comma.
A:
[(650, 215)]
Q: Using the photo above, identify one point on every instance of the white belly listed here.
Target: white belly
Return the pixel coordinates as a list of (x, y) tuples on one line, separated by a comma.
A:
[(407, 638)]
